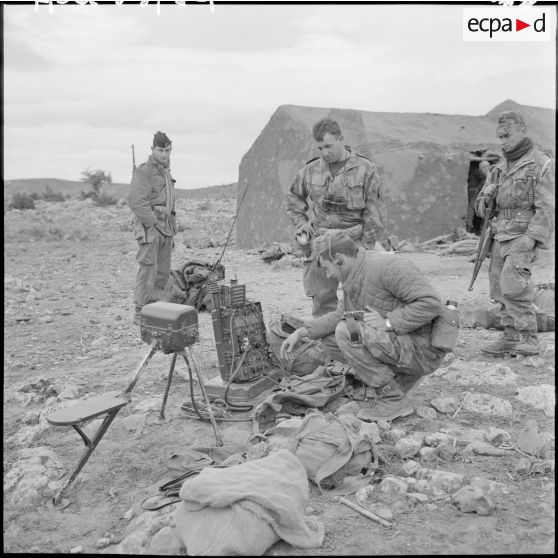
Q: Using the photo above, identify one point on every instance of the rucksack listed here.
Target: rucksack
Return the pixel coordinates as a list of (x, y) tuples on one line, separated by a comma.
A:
[(191, 281)]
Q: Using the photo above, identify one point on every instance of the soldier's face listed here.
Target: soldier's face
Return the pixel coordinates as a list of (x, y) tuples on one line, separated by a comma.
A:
[(331, 148), (161, 154), (332, 270), (510, 135)]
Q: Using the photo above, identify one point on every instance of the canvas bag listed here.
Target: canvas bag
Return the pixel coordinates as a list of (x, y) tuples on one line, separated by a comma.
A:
[(308, 353), (330, 448), (190, 284)]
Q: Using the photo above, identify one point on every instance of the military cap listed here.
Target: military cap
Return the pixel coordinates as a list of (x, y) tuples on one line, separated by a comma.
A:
[(327, 242), (508, 117), (161, 139)]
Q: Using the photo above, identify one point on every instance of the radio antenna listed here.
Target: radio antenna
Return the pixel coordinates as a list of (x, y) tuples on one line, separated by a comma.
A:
[(232, 226)]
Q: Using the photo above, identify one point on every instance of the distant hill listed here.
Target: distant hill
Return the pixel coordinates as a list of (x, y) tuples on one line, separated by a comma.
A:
[(73, 188)]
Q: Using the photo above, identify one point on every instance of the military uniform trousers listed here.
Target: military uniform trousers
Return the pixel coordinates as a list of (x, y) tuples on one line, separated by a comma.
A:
[(320, 288), (153, 278), (511, 285), (383, 355)]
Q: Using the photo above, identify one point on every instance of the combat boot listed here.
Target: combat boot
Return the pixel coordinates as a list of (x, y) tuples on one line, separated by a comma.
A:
[(529, 344), (506, 343), (390, 403)]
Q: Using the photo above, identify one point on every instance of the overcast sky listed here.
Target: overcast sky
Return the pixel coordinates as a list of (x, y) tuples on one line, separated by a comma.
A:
[(83, 83)]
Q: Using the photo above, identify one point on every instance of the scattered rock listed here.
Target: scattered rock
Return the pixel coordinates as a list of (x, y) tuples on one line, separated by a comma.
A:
[(428, 455), (408, 469), (540, 397), (447, 449), (424, 473), (407, 447), (484, 404), (425, 412), (371, 431), (497, 436), (531, 441), (381, 511), (383, 425), (76, 550), (477, 373), (434, 439), (417, 497), (69, 391), (489, 487), (395, 434), (471, 499), (393, 487), (446, 405), (523, 466), (444, 482)]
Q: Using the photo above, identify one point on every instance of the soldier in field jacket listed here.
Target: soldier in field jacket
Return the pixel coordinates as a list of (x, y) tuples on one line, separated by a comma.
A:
[(151, 200), (395, 349), (522, 186), (338, 190)]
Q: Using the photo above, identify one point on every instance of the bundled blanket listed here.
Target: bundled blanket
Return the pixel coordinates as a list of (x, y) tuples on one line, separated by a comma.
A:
[(246, 508)]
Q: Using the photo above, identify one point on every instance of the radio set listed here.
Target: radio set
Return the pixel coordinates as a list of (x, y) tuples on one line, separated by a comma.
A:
[(243, 350)]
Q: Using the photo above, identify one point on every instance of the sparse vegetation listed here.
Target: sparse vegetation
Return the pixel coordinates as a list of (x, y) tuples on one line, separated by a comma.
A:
[(96, 178), (22, 201), (50, 195)]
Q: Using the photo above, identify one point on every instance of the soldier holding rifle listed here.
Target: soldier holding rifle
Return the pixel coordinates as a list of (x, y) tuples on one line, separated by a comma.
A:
[(151, 200), (520, 189)]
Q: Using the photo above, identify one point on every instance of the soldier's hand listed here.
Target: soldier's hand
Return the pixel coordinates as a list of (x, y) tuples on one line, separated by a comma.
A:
[(372, 318), (286, 352), (305, 228), (481, 208)]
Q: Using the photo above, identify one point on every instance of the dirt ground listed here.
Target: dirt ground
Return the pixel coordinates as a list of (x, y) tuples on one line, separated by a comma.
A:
[(69, 276)]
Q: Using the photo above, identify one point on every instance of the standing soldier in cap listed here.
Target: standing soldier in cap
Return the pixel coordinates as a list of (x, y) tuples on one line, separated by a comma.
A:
[(522, 189), (338, 190), (151, 199), (391, 348)]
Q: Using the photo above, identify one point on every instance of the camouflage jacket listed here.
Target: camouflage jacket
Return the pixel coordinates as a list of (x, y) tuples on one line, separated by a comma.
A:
[(148, 199), (524, 198), (355, 192)]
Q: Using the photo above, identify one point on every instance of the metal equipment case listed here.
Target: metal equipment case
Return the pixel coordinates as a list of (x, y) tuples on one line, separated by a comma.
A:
[(172, 326)]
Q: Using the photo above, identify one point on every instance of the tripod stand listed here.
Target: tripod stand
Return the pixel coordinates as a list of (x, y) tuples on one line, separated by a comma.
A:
[(109, 406)]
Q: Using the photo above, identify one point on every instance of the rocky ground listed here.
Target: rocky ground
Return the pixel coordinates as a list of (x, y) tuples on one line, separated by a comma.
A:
[(69, 275)]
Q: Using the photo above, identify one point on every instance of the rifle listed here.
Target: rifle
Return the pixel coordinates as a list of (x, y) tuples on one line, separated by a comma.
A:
[(133, 158), (485, 241)]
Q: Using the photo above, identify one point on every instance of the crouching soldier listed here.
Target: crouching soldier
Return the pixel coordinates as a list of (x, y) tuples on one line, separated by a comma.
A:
[(151, 200), (521, 191), (392, 348)]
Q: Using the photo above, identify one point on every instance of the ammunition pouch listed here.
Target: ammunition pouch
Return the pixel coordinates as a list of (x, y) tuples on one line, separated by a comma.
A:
[(334, 204), (511, 213)]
